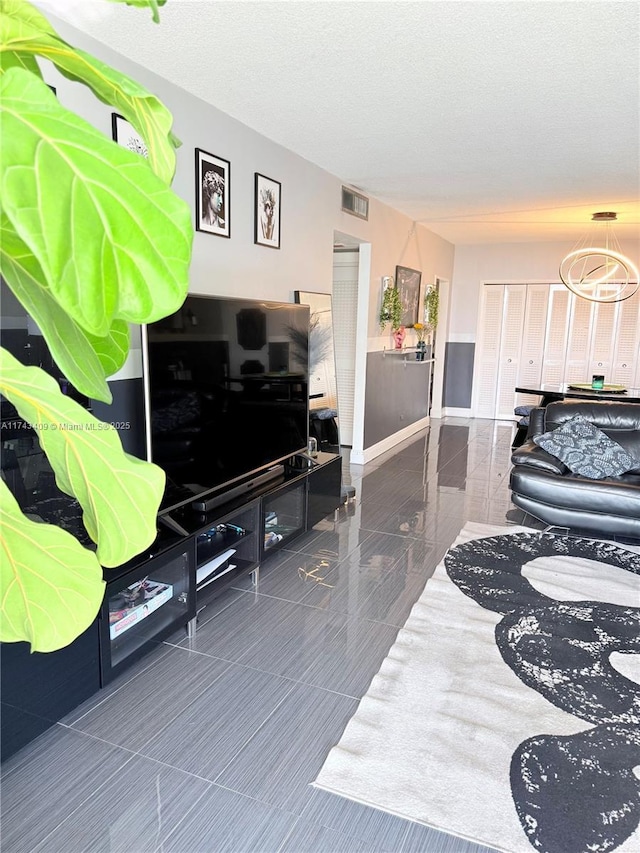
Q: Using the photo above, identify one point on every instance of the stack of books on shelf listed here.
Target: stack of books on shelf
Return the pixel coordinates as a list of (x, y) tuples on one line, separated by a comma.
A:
[(135, 603)]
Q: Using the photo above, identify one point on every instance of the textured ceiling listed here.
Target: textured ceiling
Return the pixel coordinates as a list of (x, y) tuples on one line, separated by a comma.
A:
[(487, 121)]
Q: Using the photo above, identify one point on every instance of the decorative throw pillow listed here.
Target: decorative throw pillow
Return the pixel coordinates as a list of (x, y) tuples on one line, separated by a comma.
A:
[(586, 450)]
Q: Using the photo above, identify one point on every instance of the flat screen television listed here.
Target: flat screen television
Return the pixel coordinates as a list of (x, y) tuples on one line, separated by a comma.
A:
[(226, 386)]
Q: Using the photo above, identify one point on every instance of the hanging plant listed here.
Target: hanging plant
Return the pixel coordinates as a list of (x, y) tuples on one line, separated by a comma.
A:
[(391, 309), (431, 302)]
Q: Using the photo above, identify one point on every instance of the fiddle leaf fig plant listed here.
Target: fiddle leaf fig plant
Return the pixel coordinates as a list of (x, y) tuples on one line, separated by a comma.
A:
[(92, 238)]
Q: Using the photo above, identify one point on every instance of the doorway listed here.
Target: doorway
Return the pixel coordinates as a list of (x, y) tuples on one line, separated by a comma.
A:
[(346, 264)]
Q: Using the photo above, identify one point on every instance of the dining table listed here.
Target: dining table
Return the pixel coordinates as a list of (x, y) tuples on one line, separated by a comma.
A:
[(548, 393)]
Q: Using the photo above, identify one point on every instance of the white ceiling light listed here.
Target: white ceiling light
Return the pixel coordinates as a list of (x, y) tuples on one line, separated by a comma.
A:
[(597, 269)]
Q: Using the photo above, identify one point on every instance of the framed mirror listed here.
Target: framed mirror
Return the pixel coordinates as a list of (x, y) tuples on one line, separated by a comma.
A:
[(323, 388)]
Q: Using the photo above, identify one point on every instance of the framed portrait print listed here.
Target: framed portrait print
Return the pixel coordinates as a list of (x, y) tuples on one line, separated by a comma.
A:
[(268, 196), (408, 284), (126, 135), (213, 194)]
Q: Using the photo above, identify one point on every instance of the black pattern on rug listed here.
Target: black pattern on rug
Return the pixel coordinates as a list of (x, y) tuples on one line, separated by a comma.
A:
[(578, 793)]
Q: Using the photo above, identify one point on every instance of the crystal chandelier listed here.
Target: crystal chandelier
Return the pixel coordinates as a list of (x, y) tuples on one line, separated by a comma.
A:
[(597, 269)]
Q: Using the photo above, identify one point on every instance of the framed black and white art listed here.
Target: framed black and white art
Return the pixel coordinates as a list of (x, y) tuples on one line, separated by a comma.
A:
[(126, 135), (268, 198), (408, 284), (213, 194)]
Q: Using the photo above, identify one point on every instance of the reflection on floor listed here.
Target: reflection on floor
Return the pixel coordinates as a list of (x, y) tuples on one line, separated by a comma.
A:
[(210, 744)]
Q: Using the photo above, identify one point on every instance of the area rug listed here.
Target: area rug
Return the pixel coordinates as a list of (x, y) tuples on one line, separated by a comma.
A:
[(508, 710)]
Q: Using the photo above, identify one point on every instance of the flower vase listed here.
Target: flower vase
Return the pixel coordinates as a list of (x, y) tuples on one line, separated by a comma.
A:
[(421, 349), (398, 337)]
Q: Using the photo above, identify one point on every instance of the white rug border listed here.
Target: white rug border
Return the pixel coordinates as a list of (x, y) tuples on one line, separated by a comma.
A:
[(469, 531)]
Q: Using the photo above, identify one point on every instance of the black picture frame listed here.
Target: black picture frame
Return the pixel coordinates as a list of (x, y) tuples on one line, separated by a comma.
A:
[(408, 284), (213, 188), (267, 208), (125, 134)]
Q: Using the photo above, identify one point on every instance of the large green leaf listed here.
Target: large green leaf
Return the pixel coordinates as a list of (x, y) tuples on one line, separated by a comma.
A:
[(51, 587), (19, 60), (112, 350), (119, 494), (24, 32), (83, 359), (91, 212)]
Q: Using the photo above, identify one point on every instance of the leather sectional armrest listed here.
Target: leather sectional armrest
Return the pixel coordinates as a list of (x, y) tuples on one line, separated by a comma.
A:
[(535, 457), (536, 422)]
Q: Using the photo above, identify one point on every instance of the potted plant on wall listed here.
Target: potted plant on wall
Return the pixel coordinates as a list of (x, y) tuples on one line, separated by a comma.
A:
[(391, 312), (93, 239), (431, 303)]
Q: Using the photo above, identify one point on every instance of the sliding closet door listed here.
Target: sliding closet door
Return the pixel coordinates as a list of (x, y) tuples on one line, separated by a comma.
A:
[(533, 342), (627, 346), (510, 349), (513, 318), (603, 340), (579, 345), (557, 330), (531, 333), (488, 351)]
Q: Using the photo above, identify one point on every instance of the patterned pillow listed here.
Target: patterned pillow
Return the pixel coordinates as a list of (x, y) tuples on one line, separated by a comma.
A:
[(586, 450)]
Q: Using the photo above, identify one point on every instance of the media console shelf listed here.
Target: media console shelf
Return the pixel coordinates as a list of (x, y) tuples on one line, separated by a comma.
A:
[(234, 538), (161, 591)]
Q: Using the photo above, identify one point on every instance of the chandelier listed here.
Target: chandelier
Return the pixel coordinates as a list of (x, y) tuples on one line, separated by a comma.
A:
[(597, 269)]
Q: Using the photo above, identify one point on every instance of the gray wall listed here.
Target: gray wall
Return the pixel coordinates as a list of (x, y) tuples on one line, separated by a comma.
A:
[(397, 394), (458, 375)]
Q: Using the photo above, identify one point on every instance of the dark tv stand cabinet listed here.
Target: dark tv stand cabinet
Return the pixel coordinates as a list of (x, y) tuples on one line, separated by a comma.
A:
[(234, 539), (199, 555), (186, 568)]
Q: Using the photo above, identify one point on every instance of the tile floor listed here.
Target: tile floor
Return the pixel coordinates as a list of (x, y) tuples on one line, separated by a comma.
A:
[(208, 745)]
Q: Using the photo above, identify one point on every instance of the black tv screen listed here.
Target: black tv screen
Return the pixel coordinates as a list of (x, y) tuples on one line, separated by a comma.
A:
[(226, 382)]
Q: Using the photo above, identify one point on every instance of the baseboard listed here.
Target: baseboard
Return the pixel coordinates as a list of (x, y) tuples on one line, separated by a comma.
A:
[(451, 411), (360, 457)]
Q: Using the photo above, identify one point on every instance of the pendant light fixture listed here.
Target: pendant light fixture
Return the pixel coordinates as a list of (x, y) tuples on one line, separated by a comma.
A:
[(597, 269)]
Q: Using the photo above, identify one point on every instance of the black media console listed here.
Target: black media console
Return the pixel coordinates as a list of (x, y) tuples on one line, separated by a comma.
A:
[(198, 555), (194, 559)]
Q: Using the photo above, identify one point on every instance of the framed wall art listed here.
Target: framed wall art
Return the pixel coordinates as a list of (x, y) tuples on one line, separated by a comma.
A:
[(408, 284), (268, 196), (126, 135), (213, 194)]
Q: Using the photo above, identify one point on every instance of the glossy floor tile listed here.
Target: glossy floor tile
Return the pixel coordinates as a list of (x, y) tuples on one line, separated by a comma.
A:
[(306, 835), (135, 810), (377, 829), (210, 744), (289, 748), (224, 821), (48, 780), (206, 737), (130, 717)]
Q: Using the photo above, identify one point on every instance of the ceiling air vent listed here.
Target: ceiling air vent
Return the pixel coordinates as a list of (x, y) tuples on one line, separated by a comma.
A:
[(355, 203)]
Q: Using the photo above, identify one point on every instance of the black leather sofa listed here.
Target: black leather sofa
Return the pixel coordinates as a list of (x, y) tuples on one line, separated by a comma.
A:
[(545, 488)]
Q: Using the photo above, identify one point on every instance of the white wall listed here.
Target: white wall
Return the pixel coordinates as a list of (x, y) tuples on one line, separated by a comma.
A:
[(311, 199), (396, 241), (503, 262)]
